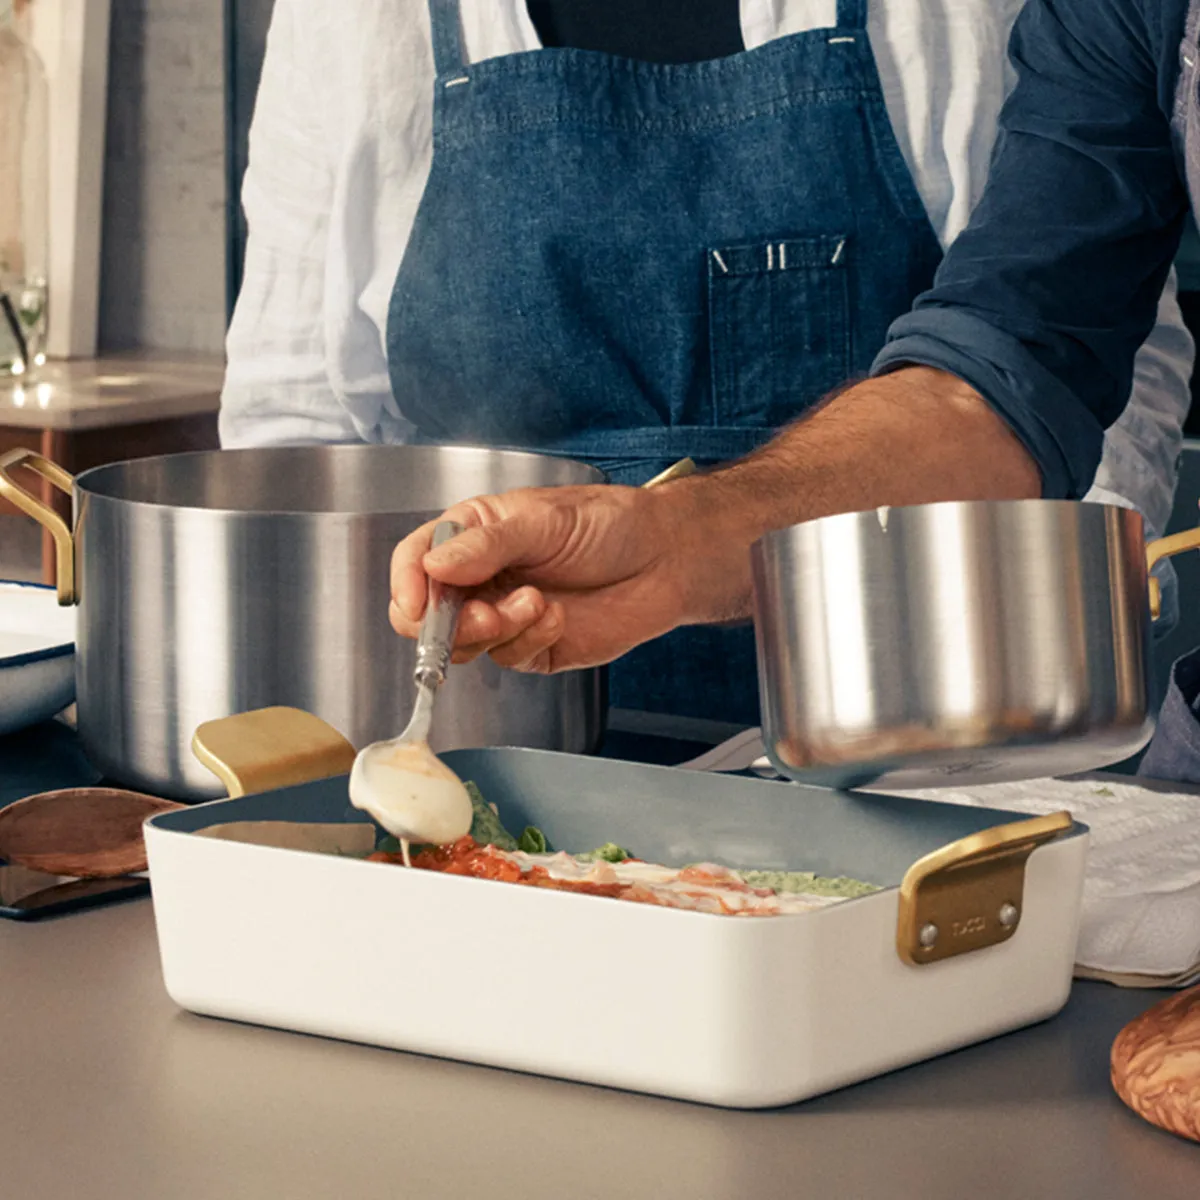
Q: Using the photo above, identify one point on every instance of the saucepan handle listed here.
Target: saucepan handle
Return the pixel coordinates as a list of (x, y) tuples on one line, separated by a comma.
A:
[(685, 466), (271, 748), (1167, 547), (16, 495)]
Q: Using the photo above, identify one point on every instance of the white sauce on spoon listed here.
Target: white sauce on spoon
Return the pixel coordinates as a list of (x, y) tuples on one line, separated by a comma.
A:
[(401, 782), (411, 793)]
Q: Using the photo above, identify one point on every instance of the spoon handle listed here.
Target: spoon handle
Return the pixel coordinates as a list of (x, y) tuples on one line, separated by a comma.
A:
[(436, 639)]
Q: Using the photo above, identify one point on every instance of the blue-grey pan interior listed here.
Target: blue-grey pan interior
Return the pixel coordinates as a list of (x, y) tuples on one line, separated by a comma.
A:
[(661, 814)]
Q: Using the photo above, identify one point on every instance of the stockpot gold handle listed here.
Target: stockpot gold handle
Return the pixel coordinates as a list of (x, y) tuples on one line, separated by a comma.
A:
[(42, 513), (1166, 547)]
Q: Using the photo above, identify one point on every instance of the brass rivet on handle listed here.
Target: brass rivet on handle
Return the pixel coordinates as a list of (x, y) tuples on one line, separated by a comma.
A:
[(969, 895)]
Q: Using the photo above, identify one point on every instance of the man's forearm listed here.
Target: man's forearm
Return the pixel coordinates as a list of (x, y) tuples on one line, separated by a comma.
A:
[(911, 437), (914, 436)]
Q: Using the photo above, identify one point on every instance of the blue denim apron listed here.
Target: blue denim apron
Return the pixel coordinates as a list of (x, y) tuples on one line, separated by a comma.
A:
[(1174, 751), (629, 263)]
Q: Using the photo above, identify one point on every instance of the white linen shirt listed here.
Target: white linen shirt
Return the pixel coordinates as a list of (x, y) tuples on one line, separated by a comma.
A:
[(340, 147)]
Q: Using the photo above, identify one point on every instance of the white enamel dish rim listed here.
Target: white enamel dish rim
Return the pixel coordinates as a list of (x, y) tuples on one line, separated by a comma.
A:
[(54, 646), (291, 938)]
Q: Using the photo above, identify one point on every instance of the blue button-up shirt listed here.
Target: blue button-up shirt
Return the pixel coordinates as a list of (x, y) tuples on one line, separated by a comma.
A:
[(1042, 303)]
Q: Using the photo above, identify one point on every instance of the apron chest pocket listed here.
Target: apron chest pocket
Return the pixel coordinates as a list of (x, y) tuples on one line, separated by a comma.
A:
[(779, 327)]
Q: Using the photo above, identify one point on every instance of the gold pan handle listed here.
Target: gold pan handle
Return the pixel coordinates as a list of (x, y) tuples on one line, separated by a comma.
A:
[(1167, 547), (42, 513), (685, 466), (271, 748), (970, 894)]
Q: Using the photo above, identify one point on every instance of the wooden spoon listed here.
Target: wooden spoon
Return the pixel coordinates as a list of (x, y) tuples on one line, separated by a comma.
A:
[(87, 833)]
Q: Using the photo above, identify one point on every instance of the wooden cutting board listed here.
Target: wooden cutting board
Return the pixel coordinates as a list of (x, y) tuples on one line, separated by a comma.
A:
[(1156, 1064)]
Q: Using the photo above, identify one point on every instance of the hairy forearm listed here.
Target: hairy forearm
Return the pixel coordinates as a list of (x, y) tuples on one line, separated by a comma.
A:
[(915, 436), (912, 437)]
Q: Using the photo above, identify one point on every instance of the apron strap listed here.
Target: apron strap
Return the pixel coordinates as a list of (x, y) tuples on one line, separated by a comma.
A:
[(448, 55), (852, 14)]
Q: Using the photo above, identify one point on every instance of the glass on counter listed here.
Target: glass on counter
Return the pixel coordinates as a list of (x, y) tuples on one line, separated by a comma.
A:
[(24, 196)]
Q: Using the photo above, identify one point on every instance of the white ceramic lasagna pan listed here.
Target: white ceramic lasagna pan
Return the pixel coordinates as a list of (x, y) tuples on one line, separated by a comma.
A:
[(739, 1011)]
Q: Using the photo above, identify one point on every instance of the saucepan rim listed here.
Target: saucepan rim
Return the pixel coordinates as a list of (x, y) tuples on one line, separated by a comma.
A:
[(884, 511)]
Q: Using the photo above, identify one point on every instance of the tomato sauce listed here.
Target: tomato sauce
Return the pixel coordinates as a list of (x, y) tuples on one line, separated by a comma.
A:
[(466, 857)]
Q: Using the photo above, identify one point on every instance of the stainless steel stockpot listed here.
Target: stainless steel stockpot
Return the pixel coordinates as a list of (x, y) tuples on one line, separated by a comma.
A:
[(217, 582), (956, 643)]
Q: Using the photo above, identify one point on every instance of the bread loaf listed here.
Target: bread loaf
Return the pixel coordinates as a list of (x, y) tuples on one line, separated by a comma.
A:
[(1156, 1064)]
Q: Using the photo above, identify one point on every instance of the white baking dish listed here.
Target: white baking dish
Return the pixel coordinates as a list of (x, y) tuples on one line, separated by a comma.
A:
[(37, 655), (744, 1012)]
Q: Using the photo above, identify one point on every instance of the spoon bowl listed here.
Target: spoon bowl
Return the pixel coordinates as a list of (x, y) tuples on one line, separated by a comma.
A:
[(411, 792)]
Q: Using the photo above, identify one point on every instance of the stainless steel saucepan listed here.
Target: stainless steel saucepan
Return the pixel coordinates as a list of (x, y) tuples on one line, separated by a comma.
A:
[(956, 643), (213, 583)]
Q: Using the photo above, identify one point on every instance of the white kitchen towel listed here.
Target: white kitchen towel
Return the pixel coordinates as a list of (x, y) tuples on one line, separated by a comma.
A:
[(1141, 897)]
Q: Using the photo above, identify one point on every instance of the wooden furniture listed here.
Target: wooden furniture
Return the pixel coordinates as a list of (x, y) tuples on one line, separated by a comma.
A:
[(86, 413)]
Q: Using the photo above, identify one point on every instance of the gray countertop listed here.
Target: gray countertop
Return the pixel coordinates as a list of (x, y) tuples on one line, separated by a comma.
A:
[(109, 1091)]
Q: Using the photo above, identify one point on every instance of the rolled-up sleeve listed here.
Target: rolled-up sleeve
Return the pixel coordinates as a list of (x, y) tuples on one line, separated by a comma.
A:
[(1043, 301)]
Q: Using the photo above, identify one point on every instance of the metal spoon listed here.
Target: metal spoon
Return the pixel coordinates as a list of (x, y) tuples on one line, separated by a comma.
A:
[(401, 782), (87, 833)]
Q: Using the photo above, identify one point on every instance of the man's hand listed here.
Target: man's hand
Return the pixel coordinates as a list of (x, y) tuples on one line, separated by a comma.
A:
[(563, 577), (574, 577)]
